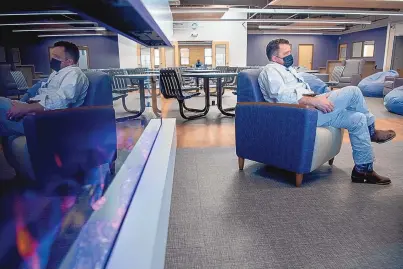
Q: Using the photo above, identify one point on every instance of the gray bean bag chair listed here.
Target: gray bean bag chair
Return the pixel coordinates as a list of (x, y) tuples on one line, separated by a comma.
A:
[(393, 101), (316, 84), (373, 85)]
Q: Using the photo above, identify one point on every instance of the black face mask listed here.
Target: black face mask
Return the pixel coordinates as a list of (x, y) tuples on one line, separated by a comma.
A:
[(55, 64), (288, 61)]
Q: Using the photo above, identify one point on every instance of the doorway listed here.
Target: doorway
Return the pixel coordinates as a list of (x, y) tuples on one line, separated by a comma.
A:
[(342, 52), (397, 55), (84, 60), (305, 56)]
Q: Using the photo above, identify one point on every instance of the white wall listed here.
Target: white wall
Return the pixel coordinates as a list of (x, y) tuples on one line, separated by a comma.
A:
[(233, 32), (170, 57), (394, 29), (127, 52)]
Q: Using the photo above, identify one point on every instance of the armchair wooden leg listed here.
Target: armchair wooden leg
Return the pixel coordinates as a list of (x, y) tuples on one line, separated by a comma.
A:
[(331, 161), (241, 162), (298, 179)]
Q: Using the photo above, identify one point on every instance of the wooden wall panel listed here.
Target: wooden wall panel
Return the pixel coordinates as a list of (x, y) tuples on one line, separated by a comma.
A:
[(152, 55), (163, 58), (138, 55), (176, 53), (196, 53)]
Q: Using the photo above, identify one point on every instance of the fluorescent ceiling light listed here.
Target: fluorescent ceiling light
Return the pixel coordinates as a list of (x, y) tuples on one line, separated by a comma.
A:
[(319, 11), (61, 29), (58, 35), (299, 28), (38, 13), (308, 21), (198, 10), (46, 23), (288, 33)]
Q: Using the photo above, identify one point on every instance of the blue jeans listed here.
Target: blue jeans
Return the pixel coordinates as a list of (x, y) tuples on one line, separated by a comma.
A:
[(351, 112), (9, 127)]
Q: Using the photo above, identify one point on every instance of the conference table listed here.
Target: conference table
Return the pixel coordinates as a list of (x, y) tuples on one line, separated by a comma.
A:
[(206, 76), (153, 75)]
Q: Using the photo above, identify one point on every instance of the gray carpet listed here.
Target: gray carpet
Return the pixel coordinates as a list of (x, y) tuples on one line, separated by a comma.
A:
[(223, 218)]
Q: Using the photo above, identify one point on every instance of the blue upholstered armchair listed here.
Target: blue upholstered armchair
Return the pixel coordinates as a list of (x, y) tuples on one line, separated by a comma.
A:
[(67, 143), (280, 135)]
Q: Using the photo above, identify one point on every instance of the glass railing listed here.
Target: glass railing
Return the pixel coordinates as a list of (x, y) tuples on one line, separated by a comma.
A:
[(73, 223)]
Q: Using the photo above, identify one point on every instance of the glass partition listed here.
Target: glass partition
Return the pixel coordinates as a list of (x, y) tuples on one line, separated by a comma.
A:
[(72, 220)]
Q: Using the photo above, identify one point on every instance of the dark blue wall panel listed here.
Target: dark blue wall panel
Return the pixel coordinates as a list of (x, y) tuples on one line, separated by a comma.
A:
[(103, 51), (325, 48), (378, 35)]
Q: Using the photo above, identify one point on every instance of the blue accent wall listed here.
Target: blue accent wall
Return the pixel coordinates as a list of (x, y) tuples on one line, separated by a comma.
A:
[(325, 48), (103, 51), (378, 35)]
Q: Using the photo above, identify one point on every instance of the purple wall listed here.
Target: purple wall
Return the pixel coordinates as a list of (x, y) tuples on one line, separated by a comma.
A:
[(378, 35), (103, 51), (325, 48)]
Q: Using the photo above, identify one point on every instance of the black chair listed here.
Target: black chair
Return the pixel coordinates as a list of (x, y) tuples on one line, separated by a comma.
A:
[(171, 87), (120, 88)]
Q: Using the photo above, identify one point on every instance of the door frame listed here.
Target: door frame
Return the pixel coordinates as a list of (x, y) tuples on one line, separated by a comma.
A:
[(213, 49), (299, 55), (338, 50)]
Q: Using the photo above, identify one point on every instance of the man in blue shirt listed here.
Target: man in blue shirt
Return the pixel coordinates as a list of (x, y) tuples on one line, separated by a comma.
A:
[(343, 108), (66, 87), (198, 63)]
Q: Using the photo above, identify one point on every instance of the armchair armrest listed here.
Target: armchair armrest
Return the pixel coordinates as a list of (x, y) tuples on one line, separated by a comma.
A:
[(389, 78), (65, 143), (398, 82), (280, 135), (355, 79)]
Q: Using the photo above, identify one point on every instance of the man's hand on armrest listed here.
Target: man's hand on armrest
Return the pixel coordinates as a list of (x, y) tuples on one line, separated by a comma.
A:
[(20, 109), (320, 102)]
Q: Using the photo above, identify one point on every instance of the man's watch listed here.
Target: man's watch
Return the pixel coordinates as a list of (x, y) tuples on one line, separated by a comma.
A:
[(309, 94), (32, 101)]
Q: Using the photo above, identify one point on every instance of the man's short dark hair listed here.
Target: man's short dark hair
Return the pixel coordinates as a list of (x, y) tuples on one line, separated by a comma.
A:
[(70, 48), (273, 46)]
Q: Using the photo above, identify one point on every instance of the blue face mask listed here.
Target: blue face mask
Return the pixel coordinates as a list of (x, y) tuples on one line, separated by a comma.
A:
[(288, 61), (55, 64)]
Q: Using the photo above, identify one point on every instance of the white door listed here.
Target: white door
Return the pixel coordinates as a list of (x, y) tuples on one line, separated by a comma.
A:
[(83, 61)]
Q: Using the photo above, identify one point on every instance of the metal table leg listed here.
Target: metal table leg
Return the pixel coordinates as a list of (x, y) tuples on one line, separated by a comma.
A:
[(154, 103), (224, 111), (207, 94)]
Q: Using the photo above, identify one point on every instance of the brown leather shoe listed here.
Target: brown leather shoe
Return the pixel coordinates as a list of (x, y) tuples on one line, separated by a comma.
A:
[(383, 136), (370, 177)]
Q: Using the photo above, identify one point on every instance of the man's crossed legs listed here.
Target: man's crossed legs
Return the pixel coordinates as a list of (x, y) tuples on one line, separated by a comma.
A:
[(8, 127), (351, 112)]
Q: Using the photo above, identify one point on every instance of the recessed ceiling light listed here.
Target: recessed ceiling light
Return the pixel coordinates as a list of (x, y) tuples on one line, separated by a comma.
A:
[(59, 35), (308, 21), (38, 13), (47, 23), (318, 11), (299, 27), (61, 29)]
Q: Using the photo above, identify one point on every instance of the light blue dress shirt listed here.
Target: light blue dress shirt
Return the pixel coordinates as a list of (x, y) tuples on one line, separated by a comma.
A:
[(282, 85), (64, 89)]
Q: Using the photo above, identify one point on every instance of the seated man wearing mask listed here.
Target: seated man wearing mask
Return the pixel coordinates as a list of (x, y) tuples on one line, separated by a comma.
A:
[(66, 87), (343, 108)]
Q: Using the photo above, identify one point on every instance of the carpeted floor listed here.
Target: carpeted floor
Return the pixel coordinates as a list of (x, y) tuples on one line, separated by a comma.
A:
[(223, 218)]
